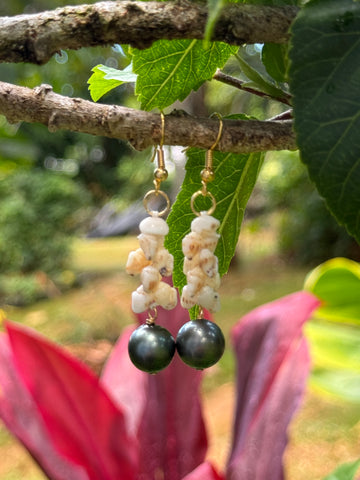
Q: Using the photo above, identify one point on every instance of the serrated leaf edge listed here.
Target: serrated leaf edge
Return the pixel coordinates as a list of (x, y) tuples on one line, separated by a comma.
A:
[(171, 74)]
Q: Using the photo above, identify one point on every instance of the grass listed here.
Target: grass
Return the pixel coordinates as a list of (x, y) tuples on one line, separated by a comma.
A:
[(102, 255), (94, 315), (324, 434), (99, 309)]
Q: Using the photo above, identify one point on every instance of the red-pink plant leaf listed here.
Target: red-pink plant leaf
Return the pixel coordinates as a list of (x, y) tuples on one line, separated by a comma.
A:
[(272, 367), (172, 433), (22, 418), (205, 471), (125, 383), (170, 427), (82, 421)]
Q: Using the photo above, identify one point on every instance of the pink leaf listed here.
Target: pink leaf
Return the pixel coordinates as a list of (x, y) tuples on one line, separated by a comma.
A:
[(21, 416), (205, 471), (125, 383), (172, 433), (272, 367), (167, 411), (82, 422)]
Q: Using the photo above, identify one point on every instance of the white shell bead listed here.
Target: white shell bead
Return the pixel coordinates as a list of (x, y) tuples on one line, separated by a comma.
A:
[(141, 301), (154, 226), (164, 262), (191, 244), (201, 265), (209, 299), (165, 296), (210, 241), (205, 223), (136, 262), (149, 244), (152, 261), (187, 298), (208, 262), (150, 279)]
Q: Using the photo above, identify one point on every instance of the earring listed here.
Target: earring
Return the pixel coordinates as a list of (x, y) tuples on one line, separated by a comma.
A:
[(152, 347), (200, 343)]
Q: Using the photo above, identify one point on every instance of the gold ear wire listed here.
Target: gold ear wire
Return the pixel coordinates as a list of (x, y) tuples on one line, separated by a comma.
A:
[(160, 174), (161, 143), (208, 174), (162, 130), (221, 126)]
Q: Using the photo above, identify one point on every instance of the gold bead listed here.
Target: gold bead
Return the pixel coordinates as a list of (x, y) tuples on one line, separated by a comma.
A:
[(207, 175), (160, 174)]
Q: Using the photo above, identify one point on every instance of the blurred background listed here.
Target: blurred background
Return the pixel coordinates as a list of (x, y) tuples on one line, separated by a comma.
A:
[(69, 209)]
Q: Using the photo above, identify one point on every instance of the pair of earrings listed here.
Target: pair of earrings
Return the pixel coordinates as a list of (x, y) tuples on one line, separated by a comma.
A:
[(200, 343)]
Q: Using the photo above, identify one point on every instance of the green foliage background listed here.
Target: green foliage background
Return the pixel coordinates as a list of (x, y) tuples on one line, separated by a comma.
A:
[(39, 211)]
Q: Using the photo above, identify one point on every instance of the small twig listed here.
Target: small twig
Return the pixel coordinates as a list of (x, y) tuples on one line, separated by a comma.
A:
[(287, 115), (239, 84)]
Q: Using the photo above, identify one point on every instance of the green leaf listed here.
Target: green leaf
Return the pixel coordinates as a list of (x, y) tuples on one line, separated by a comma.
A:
[(347, 471), (342, 384), (324, 79), (335, 334), (235, 176), (258, 80), (169, 70), (104, 79), (275, 58), (126, 75), (214, 9), (337, 283), (335, 346)]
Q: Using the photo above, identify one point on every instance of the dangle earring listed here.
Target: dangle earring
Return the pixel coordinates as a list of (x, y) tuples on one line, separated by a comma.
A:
[(200, 343), (152, 347)]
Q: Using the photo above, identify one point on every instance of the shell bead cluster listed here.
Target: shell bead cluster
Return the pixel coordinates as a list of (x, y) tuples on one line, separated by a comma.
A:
[(152, 261), (201, 265)]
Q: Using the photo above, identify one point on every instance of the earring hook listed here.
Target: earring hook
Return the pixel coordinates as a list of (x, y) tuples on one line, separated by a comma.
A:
[(162, 130), (161, 143), (207, 174), (221, 126), (160, 174)]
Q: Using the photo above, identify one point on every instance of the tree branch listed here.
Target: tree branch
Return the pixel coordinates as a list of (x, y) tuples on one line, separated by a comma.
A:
[(37, 37), (140, 128), (239, 84)]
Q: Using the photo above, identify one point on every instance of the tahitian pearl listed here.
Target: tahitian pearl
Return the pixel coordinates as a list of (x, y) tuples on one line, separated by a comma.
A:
[(200, 343), (151, 348)]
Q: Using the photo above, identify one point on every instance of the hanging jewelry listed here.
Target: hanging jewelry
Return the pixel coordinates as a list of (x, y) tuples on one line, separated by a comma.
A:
[(200, 343), (151, 347)]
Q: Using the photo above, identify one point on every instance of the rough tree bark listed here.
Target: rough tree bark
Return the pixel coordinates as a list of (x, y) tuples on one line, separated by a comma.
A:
[(140, 128), (35, 38)]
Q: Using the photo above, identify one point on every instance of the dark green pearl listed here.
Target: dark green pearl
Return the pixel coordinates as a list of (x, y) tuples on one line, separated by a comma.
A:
[(200, 343), (151, 348)]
